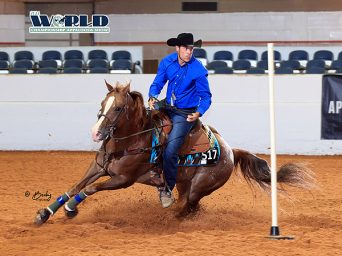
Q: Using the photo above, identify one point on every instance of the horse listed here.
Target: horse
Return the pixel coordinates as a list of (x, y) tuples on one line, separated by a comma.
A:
[(126, 130)]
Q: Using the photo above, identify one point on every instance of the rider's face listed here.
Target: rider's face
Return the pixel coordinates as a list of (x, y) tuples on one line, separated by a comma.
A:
[(184, 53)]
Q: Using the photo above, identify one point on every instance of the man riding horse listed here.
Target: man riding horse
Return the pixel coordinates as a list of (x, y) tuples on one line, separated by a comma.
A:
[(189, 95)]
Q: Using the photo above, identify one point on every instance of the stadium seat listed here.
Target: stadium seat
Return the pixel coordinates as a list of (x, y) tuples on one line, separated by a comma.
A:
[(53, 55), (250, 55), (276, 54), (216, 64), (262, 64), (48, 64), (283, 70), (256, 71), (225, 56), (97, 54), (315, 70), (24, 64), (121, 66), (4, 66), (318, 63), (339, 56), (73, 55), (299, 55), (47, 70), (325, 55), (201, 55), (97, 63), (224, 71), (18, 71), (72, 70), (99, 70), (293, 64), (335, 65), (121, 55), (241, 66), (4, 56), (23, 55), (73, 63)]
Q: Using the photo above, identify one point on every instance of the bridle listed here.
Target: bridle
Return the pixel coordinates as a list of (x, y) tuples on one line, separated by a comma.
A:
[(113, 123)]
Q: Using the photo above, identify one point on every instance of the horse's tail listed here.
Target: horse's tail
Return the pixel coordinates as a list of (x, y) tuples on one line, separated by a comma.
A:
[(256, 169)]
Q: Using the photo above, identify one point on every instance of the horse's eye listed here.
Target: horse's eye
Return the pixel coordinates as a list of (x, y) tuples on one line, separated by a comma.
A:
[(118, 108)]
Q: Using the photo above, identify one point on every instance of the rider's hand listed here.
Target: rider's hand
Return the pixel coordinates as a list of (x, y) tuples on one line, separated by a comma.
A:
[(151, 102), (193, 117)]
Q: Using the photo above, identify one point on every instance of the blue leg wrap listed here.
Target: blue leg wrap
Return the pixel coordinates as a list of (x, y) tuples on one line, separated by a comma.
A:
[(71, 205), (52, 208)]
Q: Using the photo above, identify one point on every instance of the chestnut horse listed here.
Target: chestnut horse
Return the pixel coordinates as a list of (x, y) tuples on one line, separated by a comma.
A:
[(126, 132)]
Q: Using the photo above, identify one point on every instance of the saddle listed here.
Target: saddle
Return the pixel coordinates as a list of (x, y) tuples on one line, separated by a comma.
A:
[(197, 141)]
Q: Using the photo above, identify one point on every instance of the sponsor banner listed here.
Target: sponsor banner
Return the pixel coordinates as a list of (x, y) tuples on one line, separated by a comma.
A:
[(69, 23), (331, 107)]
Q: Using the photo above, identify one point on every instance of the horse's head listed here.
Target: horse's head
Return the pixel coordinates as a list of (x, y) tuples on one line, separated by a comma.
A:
[(120, 110)]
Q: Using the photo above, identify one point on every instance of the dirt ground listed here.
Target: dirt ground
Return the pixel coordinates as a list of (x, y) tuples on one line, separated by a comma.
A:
[(234, 220)]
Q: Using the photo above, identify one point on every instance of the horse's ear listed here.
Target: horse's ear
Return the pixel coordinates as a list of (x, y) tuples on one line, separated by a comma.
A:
[(128, 86), (109, 86)]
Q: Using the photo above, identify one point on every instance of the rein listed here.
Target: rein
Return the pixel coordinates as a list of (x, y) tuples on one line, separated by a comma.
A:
[(118, 154)]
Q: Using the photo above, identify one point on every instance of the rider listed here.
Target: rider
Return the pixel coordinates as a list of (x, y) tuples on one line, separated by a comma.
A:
[(189, 95)]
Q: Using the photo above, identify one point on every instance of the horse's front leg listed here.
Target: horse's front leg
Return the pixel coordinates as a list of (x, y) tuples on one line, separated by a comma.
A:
[(113, 183), (92, 174)]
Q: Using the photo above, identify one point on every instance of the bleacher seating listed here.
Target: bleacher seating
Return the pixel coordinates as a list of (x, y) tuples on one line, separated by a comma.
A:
[(47, 70), (18, 71), (299, 55), (97, 63), (292, 64), (224, 71), (47, 64), (315, 70), (73, 55), (24, 64), (121, 66), (225, 56), (284, 70), (219, 62), (23, 55), (216, 64), (249, 55), (97, 55), (325, 55), (98, 70), (201, 55), (4, 66), (72, 70), (241, 66), (53, 55), (256, 71), (73, 63)]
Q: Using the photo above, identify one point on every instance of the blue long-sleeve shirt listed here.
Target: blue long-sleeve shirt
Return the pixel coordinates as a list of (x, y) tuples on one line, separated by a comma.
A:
[(188, 85)]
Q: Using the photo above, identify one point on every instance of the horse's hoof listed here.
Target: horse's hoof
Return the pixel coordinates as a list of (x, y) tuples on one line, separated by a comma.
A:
[(42, 216), (71, 214)]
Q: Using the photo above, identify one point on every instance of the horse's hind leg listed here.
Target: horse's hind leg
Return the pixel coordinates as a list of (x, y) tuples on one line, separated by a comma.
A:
[(202, 185), (93, 173)]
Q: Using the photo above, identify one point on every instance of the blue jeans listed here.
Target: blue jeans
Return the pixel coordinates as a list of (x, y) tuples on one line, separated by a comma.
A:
[(176, 138)]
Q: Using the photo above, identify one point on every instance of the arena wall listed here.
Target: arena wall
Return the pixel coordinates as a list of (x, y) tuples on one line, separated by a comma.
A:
[(56, 112)]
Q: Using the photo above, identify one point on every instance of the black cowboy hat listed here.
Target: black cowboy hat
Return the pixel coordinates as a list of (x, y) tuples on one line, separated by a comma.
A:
[(184, 39)]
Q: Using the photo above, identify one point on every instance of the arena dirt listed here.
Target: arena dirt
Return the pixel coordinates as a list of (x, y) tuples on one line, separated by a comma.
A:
[(234, 220)]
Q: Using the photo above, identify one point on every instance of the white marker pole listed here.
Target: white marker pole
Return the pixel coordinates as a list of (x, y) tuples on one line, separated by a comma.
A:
[(274, 228), (275, 232)]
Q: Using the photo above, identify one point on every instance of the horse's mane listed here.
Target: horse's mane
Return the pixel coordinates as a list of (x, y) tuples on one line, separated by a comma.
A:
[(140, 107)]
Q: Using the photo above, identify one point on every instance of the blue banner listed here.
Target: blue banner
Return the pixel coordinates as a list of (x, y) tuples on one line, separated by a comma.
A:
[(332, 107)]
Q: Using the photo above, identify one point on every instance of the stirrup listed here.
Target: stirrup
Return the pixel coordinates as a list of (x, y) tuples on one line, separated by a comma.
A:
[(166, 196)]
